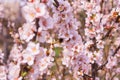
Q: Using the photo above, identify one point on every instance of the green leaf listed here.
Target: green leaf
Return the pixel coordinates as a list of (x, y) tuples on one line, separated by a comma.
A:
[(24, 74), (57, 50)]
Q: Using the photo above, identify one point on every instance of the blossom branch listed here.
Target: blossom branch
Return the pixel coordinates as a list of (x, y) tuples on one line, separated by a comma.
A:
[(37, 26), (85, 76), (56, 4), (94, 70), (116, 50), (107, 34), (101, 67)]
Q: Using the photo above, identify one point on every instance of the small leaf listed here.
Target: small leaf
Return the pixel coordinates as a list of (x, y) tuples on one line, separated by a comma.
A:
[(24, 74), (57, 50)]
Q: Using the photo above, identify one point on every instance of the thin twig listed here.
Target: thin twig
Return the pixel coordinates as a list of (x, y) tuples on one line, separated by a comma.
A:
[(107, 34), (94, 70), (85, 75), (56, 4), (113, 76), (116, 50), (101, 67)]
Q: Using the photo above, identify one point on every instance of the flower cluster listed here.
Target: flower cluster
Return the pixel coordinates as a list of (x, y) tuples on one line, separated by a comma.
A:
[(63, 40)]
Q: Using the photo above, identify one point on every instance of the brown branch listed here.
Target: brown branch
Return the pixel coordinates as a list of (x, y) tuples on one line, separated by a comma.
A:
[(56, 4), (107, 34), (5, 44), (94, 70), (101, 67), (9, 40), (63, 72), (113, 76), (87, 75), (37, 26), (56, 63), (115, 52), (44, 76)]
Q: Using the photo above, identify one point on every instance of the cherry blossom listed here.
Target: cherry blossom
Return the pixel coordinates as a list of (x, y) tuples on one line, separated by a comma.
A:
[(59, 39), (26, 32)]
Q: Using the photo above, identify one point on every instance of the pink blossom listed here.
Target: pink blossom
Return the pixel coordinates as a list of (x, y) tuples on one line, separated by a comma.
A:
[(26, 32), (3, 73), (112, 61)]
